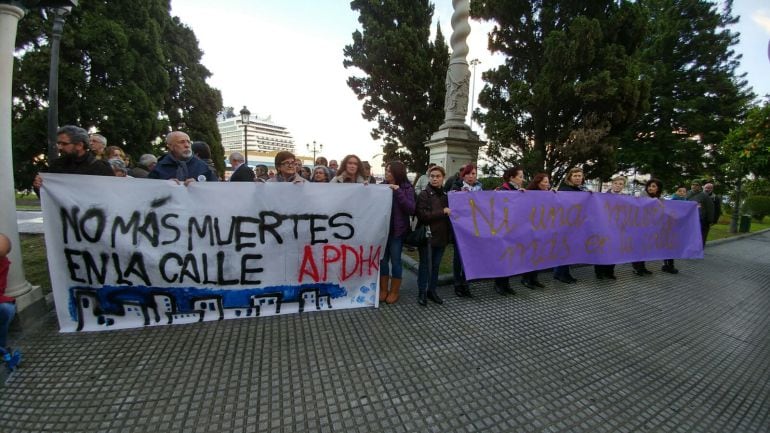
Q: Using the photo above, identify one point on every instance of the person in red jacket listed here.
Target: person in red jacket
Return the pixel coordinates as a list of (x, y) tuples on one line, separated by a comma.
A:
[(7, 304)]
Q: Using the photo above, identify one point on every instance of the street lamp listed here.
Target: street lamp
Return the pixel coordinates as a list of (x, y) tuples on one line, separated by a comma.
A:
[(30, 301), (315, 149), (474, 63), (245, 115), (53, 79)]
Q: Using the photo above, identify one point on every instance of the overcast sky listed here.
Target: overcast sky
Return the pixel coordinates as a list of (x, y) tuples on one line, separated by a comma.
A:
[(283, 58)]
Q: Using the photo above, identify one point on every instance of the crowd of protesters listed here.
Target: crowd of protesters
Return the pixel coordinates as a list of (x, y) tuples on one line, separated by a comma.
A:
[(419, 205)]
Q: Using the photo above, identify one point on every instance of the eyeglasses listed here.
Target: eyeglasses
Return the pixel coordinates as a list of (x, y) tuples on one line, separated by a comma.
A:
[(288, 163)]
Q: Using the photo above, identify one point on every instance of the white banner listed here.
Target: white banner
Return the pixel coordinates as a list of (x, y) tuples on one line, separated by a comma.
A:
[(127, 253)]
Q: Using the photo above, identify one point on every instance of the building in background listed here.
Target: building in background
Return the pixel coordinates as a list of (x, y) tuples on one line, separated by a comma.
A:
[(263, 136)]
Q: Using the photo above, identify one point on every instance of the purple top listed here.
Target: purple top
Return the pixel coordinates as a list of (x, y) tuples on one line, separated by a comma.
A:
[(403, 208)]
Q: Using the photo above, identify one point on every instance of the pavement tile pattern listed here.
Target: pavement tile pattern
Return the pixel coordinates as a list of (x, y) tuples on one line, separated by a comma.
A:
[(661, 353)]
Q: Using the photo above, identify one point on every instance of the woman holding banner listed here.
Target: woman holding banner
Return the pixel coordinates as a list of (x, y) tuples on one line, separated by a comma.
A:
[(539, 183), (467, 181), (402, 207), (608, 271), (351, 171), (514, 181), (654, 189), (433, 212), (573, 183)]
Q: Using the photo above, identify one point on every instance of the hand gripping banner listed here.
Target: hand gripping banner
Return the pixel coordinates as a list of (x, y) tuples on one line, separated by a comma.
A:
[(508, 233), (129, 253)]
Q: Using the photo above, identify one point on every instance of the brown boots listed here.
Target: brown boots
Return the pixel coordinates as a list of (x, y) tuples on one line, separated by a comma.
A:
[(384, 280), (389, 296), (395, 286)]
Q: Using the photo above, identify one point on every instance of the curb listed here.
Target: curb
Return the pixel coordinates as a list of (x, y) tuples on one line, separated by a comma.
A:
[(736, 237), (412, 265)]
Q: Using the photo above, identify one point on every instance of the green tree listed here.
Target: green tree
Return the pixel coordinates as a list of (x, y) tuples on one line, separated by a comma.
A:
[(402, 88), (191, 104), (117, 64), (695, 95), (747, 150), (570, 84)]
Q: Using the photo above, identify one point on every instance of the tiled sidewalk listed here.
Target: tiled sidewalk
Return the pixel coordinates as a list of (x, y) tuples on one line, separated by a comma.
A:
[(664, 353)]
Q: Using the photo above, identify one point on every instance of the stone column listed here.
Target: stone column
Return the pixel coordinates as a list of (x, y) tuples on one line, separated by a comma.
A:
[(28, 297), (455, 144)]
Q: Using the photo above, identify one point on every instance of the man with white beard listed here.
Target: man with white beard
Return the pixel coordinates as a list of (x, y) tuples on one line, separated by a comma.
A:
[(180, 164)]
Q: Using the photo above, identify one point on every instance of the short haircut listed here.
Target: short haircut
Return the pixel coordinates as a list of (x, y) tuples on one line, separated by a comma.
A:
[(282, 156), (147, 159), (438, 168), (100, 138), (572, 171), (76, 134), (623, 178), (467, 169), (237, 156), (512, 172), (201, 149), (118, 164)]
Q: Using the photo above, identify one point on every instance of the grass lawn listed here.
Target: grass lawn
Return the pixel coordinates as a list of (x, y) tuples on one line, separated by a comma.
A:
[(27, 202), (35, 261)]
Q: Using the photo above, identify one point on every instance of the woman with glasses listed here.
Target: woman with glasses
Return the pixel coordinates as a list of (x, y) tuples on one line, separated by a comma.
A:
[(286, 168), (433, 211), (350, 171)]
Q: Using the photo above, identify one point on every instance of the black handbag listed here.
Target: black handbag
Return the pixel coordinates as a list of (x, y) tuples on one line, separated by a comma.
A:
[(417, 237)]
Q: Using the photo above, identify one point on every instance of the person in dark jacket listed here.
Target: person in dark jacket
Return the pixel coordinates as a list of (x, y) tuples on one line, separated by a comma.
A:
[(74, 156), (467, 181), (180, 164), (540, 182), (608, 271), (402, 208), (573, 183), (241, 171), (653, 189), (705, 208), (514, 181), (432, 210)]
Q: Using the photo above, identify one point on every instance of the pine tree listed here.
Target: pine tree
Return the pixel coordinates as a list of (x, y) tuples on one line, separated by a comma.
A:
[(116, 64), (570, 84), (696, 97), (402, 88)]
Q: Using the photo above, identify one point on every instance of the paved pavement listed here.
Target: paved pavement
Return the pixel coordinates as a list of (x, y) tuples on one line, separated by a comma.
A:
[(663, 353)]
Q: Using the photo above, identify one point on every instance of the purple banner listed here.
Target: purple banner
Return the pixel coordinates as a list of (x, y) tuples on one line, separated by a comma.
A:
[(507, 233)]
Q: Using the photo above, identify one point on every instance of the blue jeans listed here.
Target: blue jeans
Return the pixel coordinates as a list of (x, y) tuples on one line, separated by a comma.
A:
[(422, 273), (392, 255), (7, 311)]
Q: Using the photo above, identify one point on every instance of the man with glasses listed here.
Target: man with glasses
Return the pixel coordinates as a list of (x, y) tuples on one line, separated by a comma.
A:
[(74, 156), (286, 167)]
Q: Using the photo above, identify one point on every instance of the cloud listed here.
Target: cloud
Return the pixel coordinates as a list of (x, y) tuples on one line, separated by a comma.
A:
[(762, 17)]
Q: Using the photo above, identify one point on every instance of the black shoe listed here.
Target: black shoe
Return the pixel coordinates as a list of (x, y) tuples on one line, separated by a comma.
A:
[(538, 284), (568, 279), (462, 291), (528, 284), (422, 300), (433, 296), (670, 269), (647, 272), (502, 289), (600, 276), (610, 276), (641, 272)]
